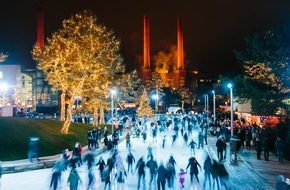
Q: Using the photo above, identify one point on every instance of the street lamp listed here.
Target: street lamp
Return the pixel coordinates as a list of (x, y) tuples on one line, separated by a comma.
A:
[(26, 101), (113, 92), (213, 94), (230, 86), (155, 97), (206, 105)]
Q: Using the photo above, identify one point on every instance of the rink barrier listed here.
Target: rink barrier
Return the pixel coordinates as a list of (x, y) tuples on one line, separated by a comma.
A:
[(45, 162)]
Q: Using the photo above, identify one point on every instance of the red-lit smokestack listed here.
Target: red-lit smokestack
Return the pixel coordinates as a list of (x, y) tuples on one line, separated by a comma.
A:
[(146, 53), (180, 56), (40, 28)]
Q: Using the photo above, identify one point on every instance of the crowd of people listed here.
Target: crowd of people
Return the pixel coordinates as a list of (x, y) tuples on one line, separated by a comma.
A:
[(250, 136), (162, 174), (117, 169)]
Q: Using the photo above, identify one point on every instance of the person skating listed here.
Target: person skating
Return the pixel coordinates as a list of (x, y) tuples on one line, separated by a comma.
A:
[(120, 176), (163, 141), (192, 145), (66, 158), (140, 166), (76, 155), (154, 133), (207, 167), (185, 139), (92, 179), (130, 160), (182, 174), (90, 159), (106, 177), (149, 151), (200, 140), (58, 167), (144, 136), (161, 176), (193, 165), (152, 165), (101, 163), (174, 137), (224, 176), (215, 174), (74, 179), (128, 145), (173, 173)]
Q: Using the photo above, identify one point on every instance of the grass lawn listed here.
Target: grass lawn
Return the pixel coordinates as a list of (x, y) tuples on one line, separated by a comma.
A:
[(15, 133)]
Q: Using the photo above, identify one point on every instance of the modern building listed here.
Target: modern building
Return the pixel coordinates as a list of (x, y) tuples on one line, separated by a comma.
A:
[(46, 100), (16, 88)]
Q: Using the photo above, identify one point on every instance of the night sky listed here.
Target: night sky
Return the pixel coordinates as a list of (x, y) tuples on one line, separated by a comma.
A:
[(212, 28)]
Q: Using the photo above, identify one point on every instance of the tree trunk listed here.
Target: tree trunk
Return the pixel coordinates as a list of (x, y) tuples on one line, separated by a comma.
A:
[(96, 114), (182, 104), (68, 118), (62, 108), (102, 115)]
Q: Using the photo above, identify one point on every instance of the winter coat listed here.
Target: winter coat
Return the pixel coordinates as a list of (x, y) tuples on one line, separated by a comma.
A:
[(89, 158), (182, 175), (152, 165), (105, 176), (101, 164), (192, 144), (130, 158), (185, 137), (207, 166), (215, 169), (279, 145), (258, 146), (192, 163), (141, 166), (161, 174), (74, 179), (128, 137), (220, 144), (265, 144)]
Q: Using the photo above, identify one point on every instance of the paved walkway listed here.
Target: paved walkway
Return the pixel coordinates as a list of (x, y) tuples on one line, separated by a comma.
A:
[(250, 172)]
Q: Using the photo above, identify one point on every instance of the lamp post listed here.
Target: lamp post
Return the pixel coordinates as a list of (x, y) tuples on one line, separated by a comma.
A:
[(213, 96), (230, 86), (155, 97), (26, 107), (113, 92), (206, 105)]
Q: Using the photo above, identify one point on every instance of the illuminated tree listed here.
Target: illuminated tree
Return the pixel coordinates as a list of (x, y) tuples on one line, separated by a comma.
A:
[(144, 107), (185, 96), (128, 86), (266, 70), (156, 86), (80, 55), (3, 57)]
